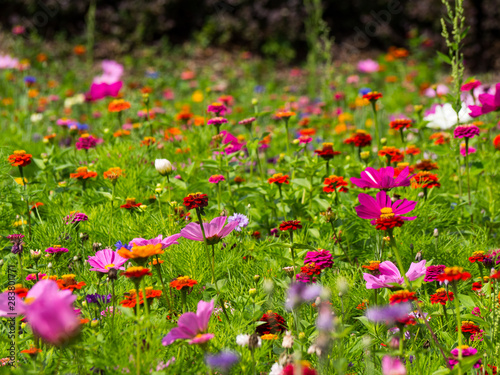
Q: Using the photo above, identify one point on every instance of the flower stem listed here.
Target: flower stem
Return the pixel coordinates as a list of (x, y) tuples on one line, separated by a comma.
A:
[(467, 167), (111, 214), (158, 268), (375, 123), (459, 327)]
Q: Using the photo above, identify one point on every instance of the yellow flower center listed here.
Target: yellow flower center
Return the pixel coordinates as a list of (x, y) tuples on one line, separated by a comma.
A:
[(130, 200), (441, 290), (111, 265), (81, 170), (19, 152), (386, 213), (29, 300)]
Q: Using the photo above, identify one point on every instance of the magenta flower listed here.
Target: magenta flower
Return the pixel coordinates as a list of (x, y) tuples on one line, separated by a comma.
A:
[(368, 66), (65, 122), (389, 274), (489, 103), (247, 121), (217, 108), (217, 121), (216, 178), (75, 217), (165, 242), (466, 352), (48, 310), (214, 231), (102, 90), (322, 258), (233, 145), (192, 326), (56, 249), (392, 366), (106, 259), (383, 207), (470, 150), (432, 272), (382, 179), (471, 85), (86, 143), (466, 131)]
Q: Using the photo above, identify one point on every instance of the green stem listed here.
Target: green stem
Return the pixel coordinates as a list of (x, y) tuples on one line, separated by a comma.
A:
[(111, 214), (375, 123), (158, 269), (287, 137), (459, 327)]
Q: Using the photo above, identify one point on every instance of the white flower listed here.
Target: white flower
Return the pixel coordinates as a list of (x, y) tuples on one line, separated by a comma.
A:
[(445, 116), (287, 340), (163, 166), (276, 369), (314, 349), (242, 340), (36, 117)]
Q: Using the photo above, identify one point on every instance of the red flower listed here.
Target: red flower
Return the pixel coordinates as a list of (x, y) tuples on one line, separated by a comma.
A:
[(20, 158), (426, 165), (360, 139), (425, 180), (400, 123), (311, 269), (327, 152), (197, 200), (469, 327), (389, 222), (279, 178), (130, 203), (477, 256), (453, 274), (372, 96), (333, 183), (137, 272), (477, 286), (441, 297), (393, 154), (290, 225), (273, 323), (402, 296)]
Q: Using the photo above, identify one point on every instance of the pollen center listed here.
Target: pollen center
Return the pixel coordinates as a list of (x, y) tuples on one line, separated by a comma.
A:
[(386, 213)]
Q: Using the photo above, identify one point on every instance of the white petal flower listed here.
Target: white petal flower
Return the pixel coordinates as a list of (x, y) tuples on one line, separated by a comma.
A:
[(445, 117), (163, 166)]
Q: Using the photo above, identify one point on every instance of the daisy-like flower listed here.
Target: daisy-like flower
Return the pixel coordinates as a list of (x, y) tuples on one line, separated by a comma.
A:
[(118, 105), (217, 108), (400, 123), (425, 180), (131, 297), (333, 183), (215, 231), (385, 274), (393, 154), (432, 273), (279, 178), (106, 259), (441, 296), (477, 256), (402, 296), (137, 273), (321, 258), (183, 282), (20, 158), (285, 115), (130, 203), (196, 201), (83, 173), (218, 121), (86, 142), (69, 282), (470, 85), (326, 152), (453, 274), (384, 213), (466, 352), (75, 217), (113, 174), (140, 253), (383, 178), (372, 96), (426, 165)]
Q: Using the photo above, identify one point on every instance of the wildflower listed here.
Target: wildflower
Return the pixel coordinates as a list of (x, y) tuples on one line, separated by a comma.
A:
[(453, 274), (441, 296), (20, 158), (466, 352), (131, 297), (130, 203), (299, 293), (384, 213), (140, 253), (402, 296), (392, 366), (368, 66), (241, 219), (183, 282), (113, 174), (327, 152), (163, 166), (164, 242), (470, 85), (466, 131), (496, 142), (82, 173), (118, 105), (372, 96), (217, 108), (426, 165), (489, 103), (269, 336), (69, 282), (223, 360), (310, 269), (382, 179), (321, 258), (273, 323), (400, 123), (388, 274), (393, 154), (279, 178), (17, 243), (285, 115), (389, 313), (217, 121), (196, 201), (290, 225), (477, 286), (192, 326), (106, 259), (425, 180), (32, 352), (56, 249), (214, 231), (469, 328), (360, 139), (444, 116), (98, 299), (86, 142), (292, 369), (75, 217), (137, 273), (432, 273), (216, 178), (477, 256), (148, 141), (333, 183)]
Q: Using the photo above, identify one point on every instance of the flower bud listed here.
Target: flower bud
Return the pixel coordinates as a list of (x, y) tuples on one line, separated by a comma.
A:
[(383, 141), (255, 101), (365, 155), (94, 323), (75, 258), (163, 166), (252, 291), (143, 207), (302, 335), (256, 278), (49, 266), (35, 254), (113, 274), (342, 285), (436, 233), (295, 141)]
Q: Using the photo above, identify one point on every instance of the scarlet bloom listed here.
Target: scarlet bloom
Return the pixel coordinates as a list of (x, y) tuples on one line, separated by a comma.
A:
[(426, 165), (440, 138), (273, 324), (20, 158), (69, 282), (393, 154), (311, 269), (20, 291), (373, 267), (372, 96), (31, 351), (400, 123), (477, 256), (360, 139), (469, 327), (425, 180), (148, 141), (118, 105), (130, 203), (333, 183), (442, 297), (477, 286), (290, 225), (412, 150), (183, 282), (285, 115), (496, 142), (137, 272), (131, 297), (402, 296), (83, 173), (453, 274), (327, 152), (279, 178), (196, 201), (113, 173)]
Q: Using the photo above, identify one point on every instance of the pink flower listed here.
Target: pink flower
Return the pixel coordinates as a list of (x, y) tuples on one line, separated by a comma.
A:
[(218, 108), (217, 121), (214, 231), (389, 274), (102, 90), (470, 151), (106, 259), (216, 178), (233, 145), (86, 143), (165, 242), (192, 326), (48, 310), (440, 89), (371, 208), (33, 277), (382, 179), (305, 139), (392, 366), (466, 131), (368, 66), (471, 85), (352, 79), (489, 103), (8, 62), (112, 72)]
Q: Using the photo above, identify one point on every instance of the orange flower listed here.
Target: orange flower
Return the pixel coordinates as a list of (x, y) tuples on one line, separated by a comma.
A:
[(113, 173), (137, 272), (82, 174), (31, 351), (373, 265), (79, 50), (400, 123), (393, 154), (285, 115), (141, 252), (425, 180), (402, 296), (453, 274), (441, 138), (279, 178), (41, 57), (33, 93), (333, 183), (121, 133), (131, 297), (412, 150), (156, 262), (183, 282), (20, 158), (118, 105), (148, 141), (496, 142), (69, 282), (372, 96)]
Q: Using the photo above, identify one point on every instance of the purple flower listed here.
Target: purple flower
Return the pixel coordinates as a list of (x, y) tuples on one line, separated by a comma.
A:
[(241, 219), (382, 179), (217, 108), (305, 278), (98, 299), (17, 243), (470, 150), (322, 258), (56, 249), (299, 293), (466, 131), (324, 322), (192, 326), (106, 259), (222, 361), (247, 121), (389, 274), (86, 143), (389, 313), (432, 272), (165, 242)]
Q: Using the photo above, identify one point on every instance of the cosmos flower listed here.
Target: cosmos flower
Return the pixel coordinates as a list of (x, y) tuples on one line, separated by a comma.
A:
[(106, 259), (214, 231), (191, 326), (382, 178), (389, 274), (165, 242), (388, 314), (489, 103)]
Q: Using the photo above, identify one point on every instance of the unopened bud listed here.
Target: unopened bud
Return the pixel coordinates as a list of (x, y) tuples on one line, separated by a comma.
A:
[(383, 141), (252, 291), (302, 335), (255, 101), (94, 323), (436, 233), (256, 278), (49, 266)]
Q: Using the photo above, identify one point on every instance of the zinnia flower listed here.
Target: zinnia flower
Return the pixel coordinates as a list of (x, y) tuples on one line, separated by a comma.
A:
[(141, 253), (241, 219), (273, 323), (20, 158), (322, 258), (216, 178), (466, 131)]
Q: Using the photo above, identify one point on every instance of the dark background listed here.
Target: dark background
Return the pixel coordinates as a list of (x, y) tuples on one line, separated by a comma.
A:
[(269, 27)]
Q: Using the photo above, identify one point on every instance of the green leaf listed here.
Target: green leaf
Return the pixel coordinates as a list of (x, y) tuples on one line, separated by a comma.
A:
[(444, 58), (39, 162), (313, 232), (302, 182), (302, 246)]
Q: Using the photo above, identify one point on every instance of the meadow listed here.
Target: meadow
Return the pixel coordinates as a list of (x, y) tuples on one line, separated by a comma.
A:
[(350, 222)]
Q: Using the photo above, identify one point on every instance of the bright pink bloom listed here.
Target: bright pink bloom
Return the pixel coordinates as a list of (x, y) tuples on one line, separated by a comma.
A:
[(368, 66), (33, 277), (466, 131), (165, 242), (8, 62), (214, 231), (112, 72), (192, 326), (489, 103), (471, 85), (217, 121), (102, 90), (371, 208), (216, 178), (470, 151), (389, 274), (218, 108), (48, 310), (305, 139), (392, 366), (106, 259), (382, 179), (440, 89), (233, 145), (86, 143)]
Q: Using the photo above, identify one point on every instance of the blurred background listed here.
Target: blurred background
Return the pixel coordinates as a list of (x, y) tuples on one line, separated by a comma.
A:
[(279, 29)]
